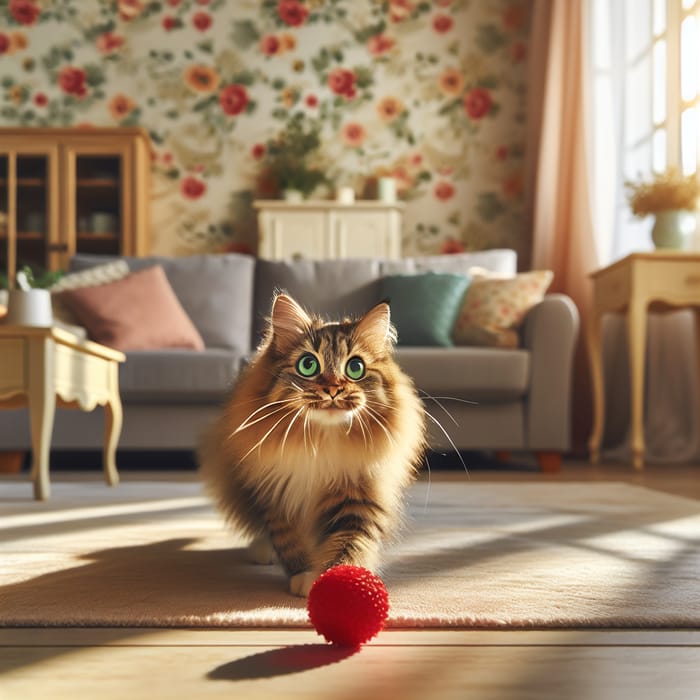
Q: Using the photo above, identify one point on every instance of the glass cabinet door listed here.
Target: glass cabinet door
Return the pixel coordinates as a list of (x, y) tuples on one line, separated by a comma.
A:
[(27, 211), (98, 204)]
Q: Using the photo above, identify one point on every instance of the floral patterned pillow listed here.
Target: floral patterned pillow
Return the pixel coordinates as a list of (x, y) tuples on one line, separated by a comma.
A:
[(494, 307)]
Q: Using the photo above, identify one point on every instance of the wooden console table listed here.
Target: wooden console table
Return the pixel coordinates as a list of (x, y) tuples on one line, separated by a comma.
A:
[(45, 367), (660, 281)]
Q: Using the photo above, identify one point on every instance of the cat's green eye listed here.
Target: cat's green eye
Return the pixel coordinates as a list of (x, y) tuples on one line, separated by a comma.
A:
[(355, 368), (307, 365)]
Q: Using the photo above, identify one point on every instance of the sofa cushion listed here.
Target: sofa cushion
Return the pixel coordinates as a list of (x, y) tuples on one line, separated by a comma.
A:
[(216, 291), (100, 274), (178, 375), (472, 374), (494, 307), (138, 312), (332, 288), (424, 306)]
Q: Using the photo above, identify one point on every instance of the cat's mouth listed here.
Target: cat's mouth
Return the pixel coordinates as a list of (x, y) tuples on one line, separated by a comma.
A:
[(331, 412)]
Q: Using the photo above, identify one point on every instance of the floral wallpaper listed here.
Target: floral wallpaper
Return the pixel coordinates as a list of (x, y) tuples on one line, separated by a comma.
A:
[(430, 92)]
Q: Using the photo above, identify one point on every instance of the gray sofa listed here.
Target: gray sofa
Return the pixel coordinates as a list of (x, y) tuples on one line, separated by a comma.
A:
[(499, 399)]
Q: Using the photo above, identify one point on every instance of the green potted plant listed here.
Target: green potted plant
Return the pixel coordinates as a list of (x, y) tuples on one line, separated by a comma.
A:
[(292, 162)]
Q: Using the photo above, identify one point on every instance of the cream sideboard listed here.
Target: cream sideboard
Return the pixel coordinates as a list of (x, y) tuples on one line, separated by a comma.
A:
[(326, 229)]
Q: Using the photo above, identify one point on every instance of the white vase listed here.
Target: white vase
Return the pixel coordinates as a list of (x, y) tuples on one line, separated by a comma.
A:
[(29, 308), (674, 228)]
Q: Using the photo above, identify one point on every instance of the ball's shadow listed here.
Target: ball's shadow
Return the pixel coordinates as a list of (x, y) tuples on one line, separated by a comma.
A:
[(280, 662)]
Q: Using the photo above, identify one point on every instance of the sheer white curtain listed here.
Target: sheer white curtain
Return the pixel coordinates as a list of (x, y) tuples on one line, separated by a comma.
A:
[(646, 115)]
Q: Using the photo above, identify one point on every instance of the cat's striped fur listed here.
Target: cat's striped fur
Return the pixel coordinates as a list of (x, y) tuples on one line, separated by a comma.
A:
[(316, 465)]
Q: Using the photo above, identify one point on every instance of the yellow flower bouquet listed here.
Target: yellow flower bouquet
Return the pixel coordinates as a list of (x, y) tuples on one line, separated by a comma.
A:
[(669, 190)]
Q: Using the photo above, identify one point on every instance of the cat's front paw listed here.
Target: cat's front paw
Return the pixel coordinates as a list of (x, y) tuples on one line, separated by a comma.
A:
[(300, 584), (261, 551)]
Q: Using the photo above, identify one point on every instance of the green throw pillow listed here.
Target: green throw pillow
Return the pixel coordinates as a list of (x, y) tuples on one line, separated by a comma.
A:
[(424, 307)]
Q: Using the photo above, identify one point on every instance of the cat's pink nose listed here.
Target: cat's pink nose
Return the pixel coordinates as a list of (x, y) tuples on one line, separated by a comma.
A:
[(333, 390)]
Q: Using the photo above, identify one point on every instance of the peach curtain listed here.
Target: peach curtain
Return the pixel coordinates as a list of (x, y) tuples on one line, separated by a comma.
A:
[(559, 133)]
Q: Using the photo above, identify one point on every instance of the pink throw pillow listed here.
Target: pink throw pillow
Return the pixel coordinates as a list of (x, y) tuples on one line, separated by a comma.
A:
[(137, 312)]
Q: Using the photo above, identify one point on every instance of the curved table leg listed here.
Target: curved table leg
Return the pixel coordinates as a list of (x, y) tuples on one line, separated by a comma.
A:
[(636, 328), (597, 385), (42, 409), (113, 428)]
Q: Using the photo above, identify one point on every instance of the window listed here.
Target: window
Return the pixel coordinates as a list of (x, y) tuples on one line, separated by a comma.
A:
[(646, 107)]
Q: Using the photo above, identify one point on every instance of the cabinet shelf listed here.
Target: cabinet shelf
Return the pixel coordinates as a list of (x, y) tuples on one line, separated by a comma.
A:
[(25, 182), (98, 183)]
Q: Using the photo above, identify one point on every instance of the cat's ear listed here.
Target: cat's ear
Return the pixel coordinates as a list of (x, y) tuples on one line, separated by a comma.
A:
[(375, 327), (289, 322)]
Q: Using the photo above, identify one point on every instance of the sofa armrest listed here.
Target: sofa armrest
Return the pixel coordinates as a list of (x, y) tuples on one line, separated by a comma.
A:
[(550, 332)]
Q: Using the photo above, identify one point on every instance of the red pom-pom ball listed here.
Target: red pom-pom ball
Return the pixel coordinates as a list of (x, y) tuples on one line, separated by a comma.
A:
[(348, 605)]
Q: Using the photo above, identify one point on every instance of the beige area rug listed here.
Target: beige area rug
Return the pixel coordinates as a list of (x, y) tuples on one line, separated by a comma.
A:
[(506, 555)]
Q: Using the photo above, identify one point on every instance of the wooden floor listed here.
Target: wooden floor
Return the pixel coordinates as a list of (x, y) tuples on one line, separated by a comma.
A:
[(102, 664)]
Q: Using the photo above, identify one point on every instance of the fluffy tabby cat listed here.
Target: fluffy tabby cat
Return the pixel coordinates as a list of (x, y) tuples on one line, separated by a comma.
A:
[(317, 442)]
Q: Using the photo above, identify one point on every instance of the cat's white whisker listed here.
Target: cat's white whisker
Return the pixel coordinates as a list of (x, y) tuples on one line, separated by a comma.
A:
[(376, 417), (247, 420), (447, 435), (260, 442), (311, 442), (435, 399), (363, 425), (289, 427)]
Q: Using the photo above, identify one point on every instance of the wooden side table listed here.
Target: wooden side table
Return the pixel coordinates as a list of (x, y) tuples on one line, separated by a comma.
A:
[(660, 281), (47, 367)]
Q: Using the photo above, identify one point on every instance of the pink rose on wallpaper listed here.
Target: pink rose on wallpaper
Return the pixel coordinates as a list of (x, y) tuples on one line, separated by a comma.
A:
[(201, 78), (192, 187), (201, 21), (514, 16), (444, 190), (442, 23), (379, 44), (477, 103), (108, 42), (233, 99), (518, 51), (40, 99), (311, 101), (121, 106), (512, 185), (24, 11), (399, 10), (72, 81), (450, 246), (292, 12), (4, 43), (342, 82), (169, 23), (270, 45), (130, 9), (389, 108), (258, 151), (353, 134), (451, 82), (501, 152)]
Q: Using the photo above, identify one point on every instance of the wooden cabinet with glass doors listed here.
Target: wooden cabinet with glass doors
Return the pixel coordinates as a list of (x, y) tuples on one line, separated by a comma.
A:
[(67, 191)]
